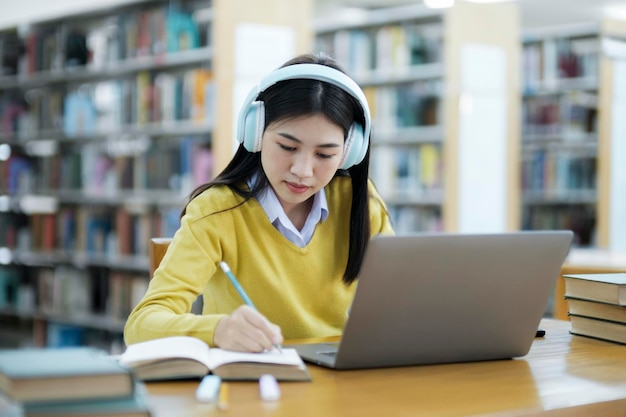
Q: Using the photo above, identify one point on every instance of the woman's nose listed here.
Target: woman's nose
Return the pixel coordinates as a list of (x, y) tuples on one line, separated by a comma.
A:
[(302, 165)]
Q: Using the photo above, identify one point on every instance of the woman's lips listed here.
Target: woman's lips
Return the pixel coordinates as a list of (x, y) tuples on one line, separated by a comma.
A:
[(296, 188)]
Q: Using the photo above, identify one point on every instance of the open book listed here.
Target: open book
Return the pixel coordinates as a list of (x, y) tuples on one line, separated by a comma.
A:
[(178, 357)]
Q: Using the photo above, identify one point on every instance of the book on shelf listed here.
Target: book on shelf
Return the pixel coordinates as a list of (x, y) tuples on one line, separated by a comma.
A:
[(597, 310), (61, 335), (81, 115), (9, 284), (598, 329), (182, 357), (47, 374), (609, 288)]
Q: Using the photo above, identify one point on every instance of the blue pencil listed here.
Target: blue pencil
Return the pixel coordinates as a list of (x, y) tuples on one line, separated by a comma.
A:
[(241, 292)]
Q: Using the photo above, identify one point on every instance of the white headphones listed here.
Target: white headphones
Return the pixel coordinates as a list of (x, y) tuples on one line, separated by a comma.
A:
[(251, 122)]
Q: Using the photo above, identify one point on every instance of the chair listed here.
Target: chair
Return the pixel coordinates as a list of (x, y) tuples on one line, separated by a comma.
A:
[(156, 250)]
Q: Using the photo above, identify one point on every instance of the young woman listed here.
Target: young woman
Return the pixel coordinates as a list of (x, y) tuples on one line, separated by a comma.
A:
[(291, 215)]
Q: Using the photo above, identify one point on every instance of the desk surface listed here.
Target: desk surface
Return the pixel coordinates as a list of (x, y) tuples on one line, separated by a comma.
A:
[(561, 375)]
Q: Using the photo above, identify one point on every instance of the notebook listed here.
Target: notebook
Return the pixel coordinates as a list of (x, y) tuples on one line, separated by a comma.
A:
[(446, 298)]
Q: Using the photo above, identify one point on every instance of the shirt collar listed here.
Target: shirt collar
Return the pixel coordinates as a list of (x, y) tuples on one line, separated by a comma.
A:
[(274, 210)]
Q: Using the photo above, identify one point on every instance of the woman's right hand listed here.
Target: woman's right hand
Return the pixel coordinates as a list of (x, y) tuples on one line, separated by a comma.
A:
[(247, 330)]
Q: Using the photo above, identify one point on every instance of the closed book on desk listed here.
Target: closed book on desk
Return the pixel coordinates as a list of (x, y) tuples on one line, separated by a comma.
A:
[(598, 329), (607, 288), (46, 375), (596, 309), (132, 406), (180, 357)]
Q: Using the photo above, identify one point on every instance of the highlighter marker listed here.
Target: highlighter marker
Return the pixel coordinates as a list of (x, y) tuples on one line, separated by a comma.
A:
[(268, 388), (208, 389), (222, 400)]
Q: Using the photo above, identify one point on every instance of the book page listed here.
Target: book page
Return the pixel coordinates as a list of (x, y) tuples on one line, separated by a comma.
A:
[(221, 356), (166, 348), (193, 348)]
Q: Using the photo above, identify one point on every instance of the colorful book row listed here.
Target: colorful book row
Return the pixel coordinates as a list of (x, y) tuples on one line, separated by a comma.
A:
[(386, 47), (407, 170), (553, 59), (415, 103), (107, 106), (547, 171), (568, 114), (89, 230), (416, 219), (581, 219), (155, 30), (104, 168), (73, 295)]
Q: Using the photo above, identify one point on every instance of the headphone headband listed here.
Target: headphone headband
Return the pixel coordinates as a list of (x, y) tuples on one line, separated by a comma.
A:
[(301, 71)]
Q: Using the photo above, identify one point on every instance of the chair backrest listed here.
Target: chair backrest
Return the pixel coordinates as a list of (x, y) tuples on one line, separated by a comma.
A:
[(156, 250)]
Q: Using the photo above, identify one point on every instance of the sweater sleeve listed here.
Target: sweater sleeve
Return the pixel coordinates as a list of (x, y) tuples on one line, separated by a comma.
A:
[(189, 263)]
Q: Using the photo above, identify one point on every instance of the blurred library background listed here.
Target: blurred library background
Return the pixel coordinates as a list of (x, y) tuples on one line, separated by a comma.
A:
[(487, 117)]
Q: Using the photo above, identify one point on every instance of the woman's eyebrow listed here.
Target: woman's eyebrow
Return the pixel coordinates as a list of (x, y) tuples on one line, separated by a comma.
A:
[(295, 139)]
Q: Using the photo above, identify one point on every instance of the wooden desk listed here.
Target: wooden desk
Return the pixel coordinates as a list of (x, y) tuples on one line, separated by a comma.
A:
[(563, 375), (585, 261)]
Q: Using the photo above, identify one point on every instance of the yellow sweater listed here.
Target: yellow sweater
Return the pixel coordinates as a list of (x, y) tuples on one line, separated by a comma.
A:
[(299, 289)]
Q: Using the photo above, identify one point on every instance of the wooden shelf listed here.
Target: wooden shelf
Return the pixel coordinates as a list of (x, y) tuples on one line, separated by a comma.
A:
[(568, 142), (422, 157), (85, 196), (193, 57)]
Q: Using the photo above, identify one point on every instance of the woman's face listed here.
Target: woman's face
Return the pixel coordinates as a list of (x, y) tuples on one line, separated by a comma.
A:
[(300, 156)]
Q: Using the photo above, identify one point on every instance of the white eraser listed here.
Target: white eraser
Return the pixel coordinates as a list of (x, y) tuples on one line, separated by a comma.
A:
[(208, 389), (269, 389)]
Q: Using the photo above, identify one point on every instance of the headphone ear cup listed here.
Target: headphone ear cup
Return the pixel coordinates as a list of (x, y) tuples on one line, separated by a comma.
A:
[(253, 126), (355, 147)]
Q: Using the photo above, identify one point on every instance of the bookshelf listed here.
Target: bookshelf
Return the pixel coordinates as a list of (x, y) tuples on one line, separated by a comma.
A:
[(571, 164), (441, 135), (108, 119)]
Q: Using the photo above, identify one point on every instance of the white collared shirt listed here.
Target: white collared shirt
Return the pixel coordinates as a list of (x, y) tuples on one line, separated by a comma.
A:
[(277, 216)]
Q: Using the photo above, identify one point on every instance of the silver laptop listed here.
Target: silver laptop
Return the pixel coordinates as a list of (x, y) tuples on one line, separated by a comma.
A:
[(444, 298)]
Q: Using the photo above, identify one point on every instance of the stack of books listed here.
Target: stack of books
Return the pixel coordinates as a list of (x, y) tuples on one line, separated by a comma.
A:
[(597, 305), (75, 382)]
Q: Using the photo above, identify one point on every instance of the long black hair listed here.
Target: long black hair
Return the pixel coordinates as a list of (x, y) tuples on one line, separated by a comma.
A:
[(294, 98)]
